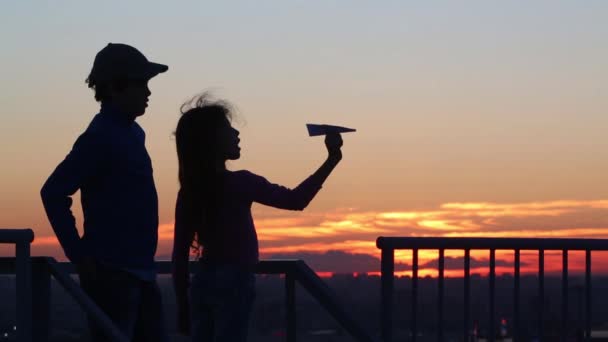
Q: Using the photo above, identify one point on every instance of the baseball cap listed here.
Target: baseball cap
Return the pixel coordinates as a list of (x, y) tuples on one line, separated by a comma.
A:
[(122, 61)]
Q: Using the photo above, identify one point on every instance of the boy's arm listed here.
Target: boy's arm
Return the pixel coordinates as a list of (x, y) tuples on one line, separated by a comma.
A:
[(79, 165)]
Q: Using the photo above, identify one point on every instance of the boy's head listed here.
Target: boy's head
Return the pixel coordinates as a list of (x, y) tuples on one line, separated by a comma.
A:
[(120, 76)]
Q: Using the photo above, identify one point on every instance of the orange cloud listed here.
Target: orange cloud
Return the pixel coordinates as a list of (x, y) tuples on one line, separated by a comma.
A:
[(45, 241), (355, 232)]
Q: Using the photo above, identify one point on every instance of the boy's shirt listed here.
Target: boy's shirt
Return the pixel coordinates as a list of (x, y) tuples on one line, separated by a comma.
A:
[(111, 167)]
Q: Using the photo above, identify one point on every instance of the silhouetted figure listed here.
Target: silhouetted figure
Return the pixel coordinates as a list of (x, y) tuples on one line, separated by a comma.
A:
[(213, 214), (110, 166)]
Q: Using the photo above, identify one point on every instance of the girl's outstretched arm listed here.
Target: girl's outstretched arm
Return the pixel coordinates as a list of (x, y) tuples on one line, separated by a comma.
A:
[(298, 198)]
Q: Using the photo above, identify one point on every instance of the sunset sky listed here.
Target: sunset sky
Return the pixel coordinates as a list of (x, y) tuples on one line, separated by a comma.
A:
[(475, 118)]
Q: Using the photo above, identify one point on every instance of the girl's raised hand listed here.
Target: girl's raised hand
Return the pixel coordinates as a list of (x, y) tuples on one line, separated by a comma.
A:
[(333, 142)]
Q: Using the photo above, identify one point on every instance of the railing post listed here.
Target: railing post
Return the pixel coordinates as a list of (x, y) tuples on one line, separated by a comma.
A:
[(516, 299), (387, 269), (41, 299), (467, 295), (24, 292), (564, 326), (290, 306), (492, 281), (440, 294), (588, 295), (414, 295), (541, 293)]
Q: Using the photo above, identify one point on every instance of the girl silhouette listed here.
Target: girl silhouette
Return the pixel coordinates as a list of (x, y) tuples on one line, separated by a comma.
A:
[(213, 215)]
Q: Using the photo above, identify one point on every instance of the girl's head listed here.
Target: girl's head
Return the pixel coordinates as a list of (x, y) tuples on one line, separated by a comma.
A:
[(205, 141), (204, 134)]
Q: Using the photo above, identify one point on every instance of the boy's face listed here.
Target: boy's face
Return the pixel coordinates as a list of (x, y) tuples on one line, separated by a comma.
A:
[(133, 99)]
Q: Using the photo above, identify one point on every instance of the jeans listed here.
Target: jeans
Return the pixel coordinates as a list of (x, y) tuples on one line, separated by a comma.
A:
[(133, 305), (222, 298)]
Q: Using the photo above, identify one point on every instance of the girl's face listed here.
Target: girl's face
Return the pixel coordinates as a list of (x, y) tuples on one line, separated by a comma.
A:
[(228, 142)]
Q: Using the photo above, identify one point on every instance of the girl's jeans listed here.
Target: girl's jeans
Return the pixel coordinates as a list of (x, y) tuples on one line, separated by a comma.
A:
[(222, 296)]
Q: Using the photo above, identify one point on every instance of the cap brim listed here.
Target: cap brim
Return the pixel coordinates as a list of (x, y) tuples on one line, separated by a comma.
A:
[(155, 69)]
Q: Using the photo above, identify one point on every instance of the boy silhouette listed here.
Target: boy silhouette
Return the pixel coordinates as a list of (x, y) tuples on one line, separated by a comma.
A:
[(111, 167)]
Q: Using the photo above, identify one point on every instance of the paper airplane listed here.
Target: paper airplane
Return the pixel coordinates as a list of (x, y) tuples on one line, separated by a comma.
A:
[(314, 129)]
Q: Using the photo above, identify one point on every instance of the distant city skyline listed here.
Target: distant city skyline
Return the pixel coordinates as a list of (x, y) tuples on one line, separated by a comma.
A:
[(484, 119), (268, 316)]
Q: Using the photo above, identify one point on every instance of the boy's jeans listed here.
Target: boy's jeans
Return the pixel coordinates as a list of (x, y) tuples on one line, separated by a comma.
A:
[(222, 298), (134, 305)]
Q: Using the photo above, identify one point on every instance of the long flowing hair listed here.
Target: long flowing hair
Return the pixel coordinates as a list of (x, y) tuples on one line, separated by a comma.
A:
[(201, 167)]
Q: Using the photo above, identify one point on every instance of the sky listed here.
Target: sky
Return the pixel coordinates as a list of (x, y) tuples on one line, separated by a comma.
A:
[(473, 118)]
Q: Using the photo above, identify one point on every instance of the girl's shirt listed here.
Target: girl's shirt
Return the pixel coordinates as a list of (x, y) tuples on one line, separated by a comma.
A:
[(233, 239)]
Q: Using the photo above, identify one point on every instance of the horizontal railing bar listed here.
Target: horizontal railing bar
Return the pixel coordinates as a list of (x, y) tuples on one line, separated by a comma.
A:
[(16, 235), (278, 266), (491, 243), (274, 266)]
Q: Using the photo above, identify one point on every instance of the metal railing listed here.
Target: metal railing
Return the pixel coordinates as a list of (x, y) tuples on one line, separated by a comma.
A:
[(295, 271), (22, 238), (39, 299), (388, 245)]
